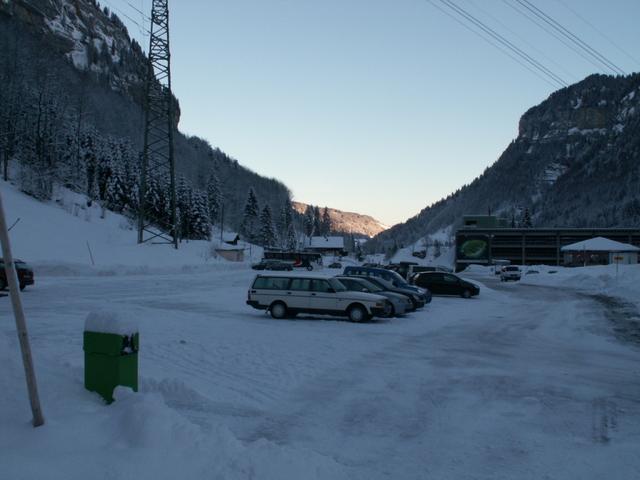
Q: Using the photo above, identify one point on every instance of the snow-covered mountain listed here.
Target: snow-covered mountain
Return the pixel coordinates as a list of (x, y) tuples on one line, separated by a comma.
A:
[(575, 162), (72, 93), (349, 222)]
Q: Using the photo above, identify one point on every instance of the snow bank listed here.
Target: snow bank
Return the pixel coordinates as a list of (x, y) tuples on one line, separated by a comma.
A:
[(596, 279)]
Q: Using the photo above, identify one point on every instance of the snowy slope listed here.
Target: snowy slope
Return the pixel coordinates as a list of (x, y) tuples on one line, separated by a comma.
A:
[(61, 234)]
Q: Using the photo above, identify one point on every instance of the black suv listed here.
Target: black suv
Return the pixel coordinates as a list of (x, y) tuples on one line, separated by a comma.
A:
[(25, 274), (440, 283)]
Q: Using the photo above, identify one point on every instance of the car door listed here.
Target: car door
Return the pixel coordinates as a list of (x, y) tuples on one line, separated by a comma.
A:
[(297, 296), (451, 284), (323, 296), (434, 282)]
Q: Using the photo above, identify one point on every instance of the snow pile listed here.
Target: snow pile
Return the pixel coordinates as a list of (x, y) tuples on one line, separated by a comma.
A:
[(596, 279), (139, 436)]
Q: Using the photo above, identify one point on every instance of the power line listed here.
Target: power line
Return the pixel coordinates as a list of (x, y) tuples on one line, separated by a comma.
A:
[(571, 37), (492, 43), (143, 31), (555, 35), (522, 39), (513, 48), (602, 34)]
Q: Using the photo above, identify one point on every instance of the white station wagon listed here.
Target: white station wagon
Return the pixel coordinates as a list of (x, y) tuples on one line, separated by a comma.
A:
[(287, 295)]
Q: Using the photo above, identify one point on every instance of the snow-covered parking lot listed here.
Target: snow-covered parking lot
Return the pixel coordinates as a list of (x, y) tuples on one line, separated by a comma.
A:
[(523, 382)]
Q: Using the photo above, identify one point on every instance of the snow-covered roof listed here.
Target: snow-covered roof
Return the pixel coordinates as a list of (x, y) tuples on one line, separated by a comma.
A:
[(600, 244), (324, 242)]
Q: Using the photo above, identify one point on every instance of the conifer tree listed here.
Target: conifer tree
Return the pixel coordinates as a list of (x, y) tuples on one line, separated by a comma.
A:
[(317, 221), (291, 238), (267, 233), (526, 219), (250, 216), (200, 223), (214, 197), (327, 225), (308, 221)]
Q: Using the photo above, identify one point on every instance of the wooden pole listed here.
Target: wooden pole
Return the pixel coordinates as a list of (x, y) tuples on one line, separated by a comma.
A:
[(21, 324)]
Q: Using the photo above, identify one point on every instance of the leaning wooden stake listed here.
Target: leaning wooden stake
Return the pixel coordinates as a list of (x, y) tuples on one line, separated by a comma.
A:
[(21, 324)]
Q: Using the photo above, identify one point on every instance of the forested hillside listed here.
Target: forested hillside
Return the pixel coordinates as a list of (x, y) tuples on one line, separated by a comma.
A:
[(575, 162), (70, 114)]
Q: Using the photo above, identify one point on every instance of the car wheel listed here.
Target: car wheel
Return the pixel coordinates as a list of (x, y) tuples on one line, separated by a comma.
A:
[(389, 310), (466, 294), (357, 314), (309, 268), (278, 310)]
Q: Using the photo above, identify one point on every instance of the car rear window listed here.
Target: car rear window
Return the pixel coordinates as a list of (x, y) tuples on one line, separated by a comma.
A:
[(271, 283)]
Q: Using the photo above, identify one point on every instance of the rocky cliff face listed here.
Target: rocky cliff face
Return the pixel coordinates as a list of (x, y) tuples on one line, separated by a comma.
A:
[(576, 162), (93, 39)]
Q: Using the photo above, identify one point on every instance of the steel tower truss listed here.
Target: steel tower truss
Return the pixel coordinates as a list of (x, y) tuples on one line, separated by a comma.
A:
[(157, 218)]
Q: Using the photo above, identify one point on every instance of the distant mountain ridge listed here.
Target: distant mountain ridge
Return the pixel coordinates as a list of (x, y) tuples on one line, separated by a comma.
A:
[(349, 222), (575, 163)]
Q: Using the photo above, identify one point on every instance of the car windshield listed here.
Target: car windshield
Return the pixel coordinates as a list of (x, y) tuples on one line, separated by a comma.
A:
[(376, 282), (397, 280), (370, 285), (337, 286)]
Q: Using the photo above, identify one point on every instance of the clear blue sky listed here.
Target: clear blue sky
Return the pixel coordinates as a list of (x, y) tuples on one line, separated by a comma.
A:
[(375, 106)]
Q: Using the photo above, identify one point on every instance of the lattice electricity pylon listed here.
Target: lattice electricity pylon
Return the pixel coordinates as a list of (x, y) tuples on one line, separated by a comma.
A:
[(157, 219)]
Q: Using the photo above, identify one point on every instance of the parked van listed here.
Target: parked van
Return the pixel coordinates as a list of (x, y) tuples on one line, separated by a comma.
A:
[(287, 295)]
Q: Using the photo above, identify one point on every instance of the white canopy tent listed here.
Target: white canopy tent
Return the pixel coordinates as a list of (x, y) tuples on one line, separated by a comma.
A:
[(600, 250)]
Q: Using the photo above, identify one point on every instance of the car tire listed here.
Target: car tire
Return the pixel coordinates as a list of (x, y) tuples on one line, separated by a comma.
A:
[(278, 310), (357, 313), (466, 293), (309, 268), (389, 309)]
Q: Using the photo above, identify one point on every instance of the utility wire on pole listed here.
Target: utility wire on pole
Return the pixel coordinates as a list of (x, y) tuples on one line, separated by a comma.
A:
[(21, 324)]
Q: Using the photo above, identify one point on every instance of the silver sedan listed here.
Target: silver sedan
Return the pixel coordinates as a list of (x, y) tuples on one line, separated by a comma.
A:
[(397, 304)]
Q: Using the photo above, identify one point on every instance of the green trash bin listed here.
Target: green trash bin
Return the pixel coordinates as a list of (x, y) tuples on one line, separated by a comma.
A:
[(110, 360)]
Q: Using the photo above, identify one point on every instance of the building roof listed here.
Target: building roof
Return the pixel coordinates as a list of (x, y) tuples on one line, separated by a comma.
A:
[(600, 244), (324, 242)]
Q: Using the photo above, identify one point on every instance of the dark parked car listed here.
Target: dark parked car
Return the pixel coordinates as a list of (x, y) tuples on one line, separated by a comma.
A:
[(414, 270), (25, 274), (276, 265), (440, 283), (335, 265)]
